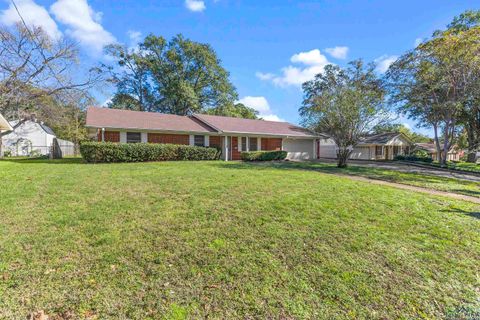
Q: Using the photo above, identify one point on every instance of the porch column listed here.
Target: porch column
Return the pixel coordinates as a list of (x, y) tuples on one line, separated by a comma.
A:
[(226, 147), (259, 144), (103, 134), (191, 140)]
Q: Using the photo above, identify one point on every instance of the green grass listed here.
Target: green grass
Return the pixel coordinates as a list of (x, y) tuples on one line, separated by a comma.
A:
[(227, 240), (469, 188)]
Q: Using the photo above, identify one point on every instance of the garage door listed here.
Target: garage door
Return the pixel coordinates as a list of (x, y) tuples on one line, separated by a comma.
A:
[(298, 149)]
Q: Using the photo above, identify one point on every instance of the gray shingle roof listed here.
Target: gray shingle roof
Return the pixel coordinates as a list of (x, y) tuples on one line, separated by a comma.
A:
[(381, 138)]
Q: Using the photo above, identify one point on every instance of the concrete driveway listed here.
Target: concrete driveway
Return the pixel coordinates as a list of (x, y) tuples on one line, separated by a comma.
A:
[(405, 167)]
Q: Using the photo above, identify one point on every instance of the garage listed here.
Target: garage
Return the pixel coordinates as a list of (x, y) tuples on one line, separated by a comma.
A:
[(299, 149)]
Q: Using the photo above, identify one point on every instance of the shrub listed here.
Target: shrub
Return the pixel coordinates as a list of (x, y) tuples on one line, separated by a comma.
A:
[(139, 152), (263, 155), (7, 153), (413, 158)]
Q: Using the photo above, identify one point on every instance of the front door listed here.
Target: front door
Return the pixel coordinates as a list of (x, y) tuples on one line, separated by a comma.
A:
[(235, 154)]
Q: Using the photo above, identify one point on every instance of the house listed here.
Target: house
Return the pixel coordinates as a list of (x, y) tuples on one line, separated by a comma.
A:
[(230, 135), (383, 146), (33, 138), (430, 148), (4, 125)]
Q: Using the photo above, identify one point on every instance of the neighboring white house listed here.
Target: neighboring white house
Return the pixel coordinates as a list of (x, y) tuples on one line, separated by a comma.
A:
[(384, 146), (28, 138)]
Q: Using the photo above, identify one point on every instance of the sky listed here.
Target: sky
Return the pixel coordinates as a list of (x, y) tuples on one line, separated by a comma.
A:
[(270, 47)]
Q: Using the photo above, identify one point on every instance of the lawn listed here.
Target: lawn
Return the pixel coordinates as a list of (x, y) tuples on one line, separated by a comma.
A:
[(227, 240), (469, 188)]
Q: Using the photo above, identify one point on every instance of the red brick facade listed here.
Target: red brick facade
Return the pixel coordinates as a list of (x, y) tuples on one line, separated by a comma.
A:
[(109, 136), (235, 152), (271, 144), (215, 141), (168, 138)]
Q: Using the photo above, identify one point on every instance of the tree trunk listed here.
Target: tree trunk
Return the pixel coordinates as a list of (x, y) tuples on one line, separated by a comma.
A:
[(342, 157), (472, 139), (437, 142)]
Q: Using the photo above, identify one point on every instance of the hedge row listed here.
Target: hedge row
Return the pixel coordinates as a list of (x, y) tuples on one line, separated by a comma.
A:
[(95, 152), (263, 155), (414, 158)]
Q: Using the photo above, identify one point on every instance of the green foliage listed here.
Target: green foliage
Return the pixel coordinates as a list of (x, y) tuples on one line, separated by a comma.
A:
[(96, 152), (179, 76), (237, 110), (419, 153), (263, 155), (413, 158), (400, 128), (344, 104)]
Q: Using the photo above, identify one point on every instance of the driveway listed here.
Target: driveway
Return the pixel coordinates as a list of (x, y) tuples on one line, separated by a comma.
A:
[(405, 167)]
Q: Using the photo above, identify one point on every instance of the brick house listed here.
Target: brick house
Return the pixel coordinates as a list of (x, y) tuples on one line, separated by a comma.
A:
[(231, 135)]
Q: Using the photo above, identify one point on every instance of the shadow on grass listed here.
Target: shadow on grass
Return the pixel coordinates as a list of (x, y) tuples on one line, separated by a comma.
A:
[(473, 214), (73, 160)]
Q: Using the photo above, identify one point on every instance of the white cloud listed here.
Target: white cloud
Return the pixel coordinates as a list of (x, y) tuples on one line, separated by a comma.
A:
[(384, 62), (418, 41), (33, 14), (338, 52), (314, 62), (83, 23), (311, 58), (264, 76), (135, 36), (195, 5), (262, 106), (406, 125)]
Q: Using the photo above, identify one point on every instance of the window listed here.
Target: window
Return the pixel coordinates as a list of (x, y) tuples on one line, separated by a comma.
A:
[(378, 150), (244, 144), (134, 137), (253, 144), (199, 141)]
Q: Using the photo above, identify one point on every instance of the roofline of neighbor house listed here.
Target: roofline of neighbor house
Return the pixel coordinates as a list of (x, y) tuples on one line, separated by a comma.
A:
[(4, 124)]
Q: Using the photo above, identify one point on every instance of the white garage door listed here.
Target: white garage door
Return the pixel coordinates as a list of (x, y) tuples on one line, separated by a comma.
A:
[(328, 149), (298, 149)]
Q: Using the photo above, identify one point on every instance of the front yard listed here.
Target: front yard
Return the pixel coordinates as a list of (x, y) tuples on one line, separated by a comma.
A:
[(227, 240)]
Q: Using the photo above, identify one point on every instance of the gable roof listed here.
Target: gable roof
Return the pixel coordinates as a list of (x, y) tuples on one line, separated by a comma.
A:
[(251, 126), (201, 123), (47, 129), (126, 119), (4, 124), (382, 138)]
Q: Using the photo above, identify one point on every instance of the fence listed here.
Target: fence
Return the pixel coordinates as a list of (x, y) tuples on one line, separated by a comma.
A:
[(62, 148)]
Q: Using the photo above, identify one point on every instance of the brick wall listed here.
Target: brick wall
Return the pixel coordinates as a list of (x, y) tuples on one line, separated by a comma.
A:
[(168, 138), (110, 136), (271, 144)]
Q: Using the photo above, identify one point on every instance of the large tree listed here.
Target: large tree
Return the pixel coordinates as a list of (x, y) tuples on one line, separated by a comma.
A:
[(437, 83), (236, 110), (179, 76), (344, 104), (35, 70)]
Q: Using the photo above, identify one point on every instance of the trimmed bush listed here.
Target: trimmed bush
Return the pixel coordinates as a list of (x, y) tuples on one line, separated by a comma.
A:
[(95, 152), (413, 158), (263, 155)]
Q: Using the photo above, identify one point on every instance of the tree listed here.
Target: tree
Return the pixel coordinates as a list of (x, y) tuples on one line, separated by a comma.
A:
[(437, 83), (237, 110), (178, 77), (34, 69), (400, 128), (345, 104)]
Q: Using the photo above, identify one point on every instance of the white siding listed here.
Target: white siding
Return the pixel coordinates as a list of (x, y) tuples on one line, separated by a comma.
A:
[(26, 138), (328, 148), (362, 153), (299, 149)]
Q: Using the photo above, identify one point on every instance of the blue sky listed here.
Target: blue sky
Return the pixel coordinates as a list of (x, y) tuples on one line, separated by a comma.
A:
[(269, 47)]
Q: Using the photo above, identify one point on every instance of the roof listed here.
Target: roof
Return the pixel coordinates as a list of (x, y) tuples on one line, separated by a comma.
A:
[(381, 138), (4, 124), (251, 126), (47, 129), (125, 119)]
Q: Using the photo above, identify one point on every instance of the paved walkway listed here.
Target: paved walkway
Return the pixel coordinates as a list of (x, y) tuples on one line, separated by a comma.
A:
[(405, 167)]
